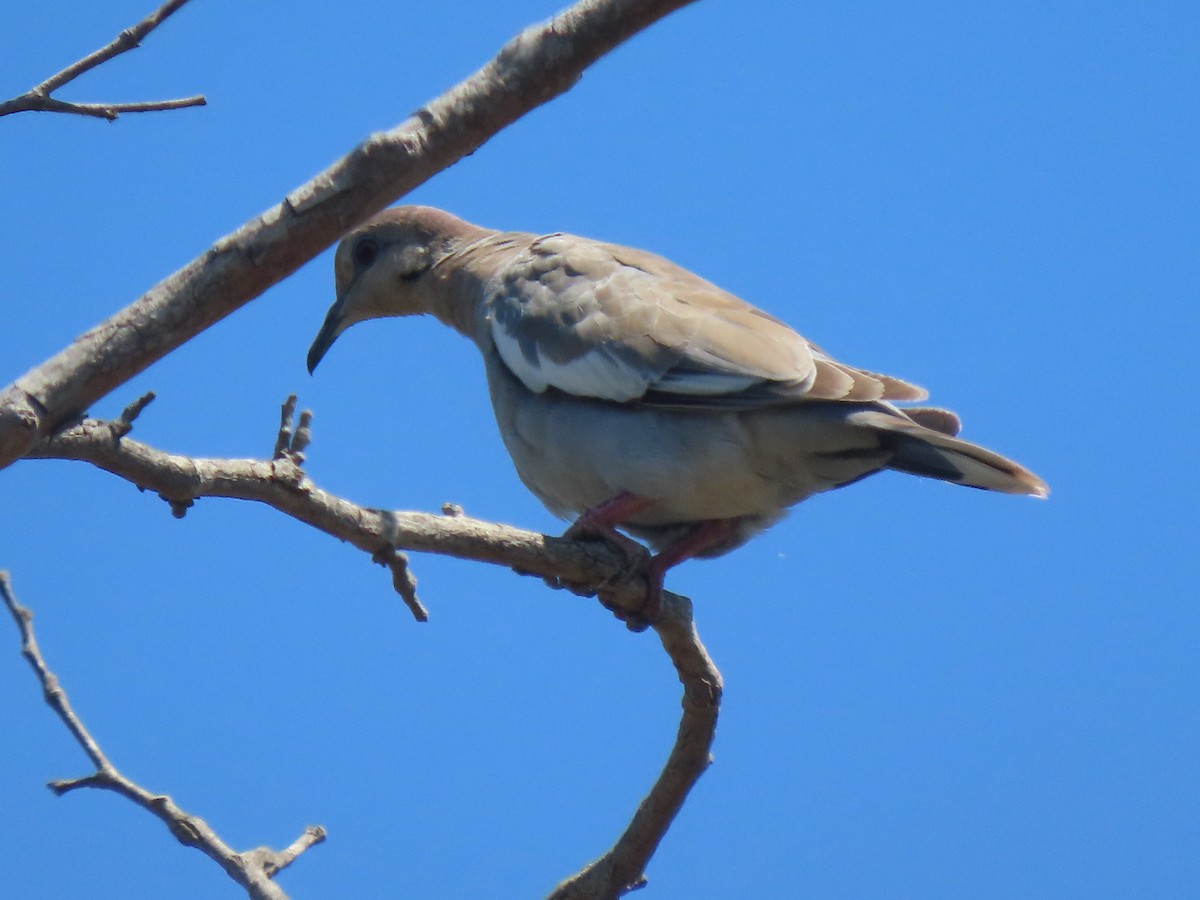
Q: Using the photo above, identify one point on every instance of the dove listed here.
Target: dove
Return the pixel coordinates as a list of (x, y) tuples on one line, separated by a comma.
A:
[(633, 394)]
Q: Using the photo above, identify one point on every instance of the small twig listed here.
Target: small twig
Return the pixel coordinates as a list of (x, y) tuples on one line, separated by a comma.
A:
[(303, 434), (252, 870), (31, 101), (124, 423), (52, 691), (289, 449), (275, 861), (403, 579), (39, 98), (284, 439), (288, 444)]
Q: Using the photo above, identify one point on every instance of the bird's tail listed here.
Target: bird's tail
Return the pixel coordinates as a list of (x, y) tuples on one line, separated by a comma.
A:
[(935, 452)]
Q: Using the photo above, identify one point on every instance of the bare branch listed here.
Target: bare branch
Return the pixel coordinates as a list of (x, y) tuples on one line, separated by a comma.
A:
[(125, 41), (583, 567), (52, 691), (38, 99), (252, 870), (621, 869), (31, 102), (539, 64)]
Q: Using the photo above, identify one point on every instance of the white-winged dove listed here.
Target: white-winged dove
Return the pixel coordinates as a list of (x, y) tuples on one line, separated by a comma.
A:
[(633, 394)]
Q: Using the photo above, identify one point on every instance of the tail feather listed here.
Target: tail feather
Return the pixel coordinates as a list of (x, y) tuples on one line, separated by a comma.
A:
[(923, 451), (932, 417)]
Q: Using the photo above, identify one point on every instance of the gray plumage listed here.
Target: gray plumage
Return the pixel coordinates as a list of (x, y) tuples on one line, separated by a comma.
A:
[(614, 373)]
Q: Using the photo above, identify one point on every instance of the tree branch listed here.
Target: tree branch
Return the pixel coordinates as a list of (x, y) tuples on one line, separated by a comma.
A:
[(38, 98), (539, 64), (584, 567), (281, 483), (621, 869), (253, 869)]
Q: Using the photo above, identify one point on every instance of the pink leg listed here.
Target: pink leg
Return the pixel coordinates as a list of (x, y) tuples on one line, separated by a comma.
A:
[(706, 535), (601, 521)]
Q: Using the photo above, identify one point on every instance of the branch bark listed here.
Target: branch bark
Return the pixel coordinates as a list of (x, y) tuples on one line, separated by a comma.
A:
[(534, 67)]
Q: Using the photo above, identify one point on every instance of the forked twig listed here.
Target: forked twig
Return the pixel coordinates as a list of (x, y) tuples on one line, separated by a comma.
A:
[(253, 869), (39, 98)]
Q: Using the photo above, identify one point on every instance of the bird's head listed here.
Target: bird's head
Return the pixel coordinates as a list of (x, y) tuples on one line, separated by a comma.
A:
[(383, 268)]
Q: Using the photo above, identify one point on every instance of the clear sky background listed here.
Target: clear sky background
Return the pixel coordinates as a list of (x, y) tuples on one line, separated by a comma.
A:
[(930, 692)]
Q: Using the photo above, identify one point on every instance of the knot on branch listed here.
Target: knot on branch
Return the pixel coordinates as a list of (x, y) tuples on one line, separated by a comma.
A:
[(179, 508)]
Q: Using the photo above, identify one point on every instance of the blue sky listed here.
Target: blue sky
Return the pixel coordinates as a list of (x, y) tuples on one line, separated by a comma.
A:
[(930, 692)]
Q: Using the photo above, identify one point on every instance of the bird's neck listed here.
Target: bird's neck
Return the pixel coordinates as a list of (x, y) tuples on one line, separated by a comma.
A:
[(459, 303), (463, 284)]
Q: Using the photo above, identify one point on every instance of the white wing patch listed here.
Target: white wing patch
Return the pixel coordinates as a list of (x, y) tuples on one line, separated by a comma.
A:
[(597, 373)]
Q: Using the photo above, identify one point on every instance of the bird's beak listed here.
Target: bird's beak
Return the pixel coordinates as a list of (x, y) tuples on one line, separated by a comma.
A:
[(329, 332)]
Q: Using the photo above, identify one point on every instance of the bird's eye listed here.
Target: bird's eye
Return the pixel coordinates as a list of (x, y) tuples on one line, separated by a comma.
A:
[(365, 251)]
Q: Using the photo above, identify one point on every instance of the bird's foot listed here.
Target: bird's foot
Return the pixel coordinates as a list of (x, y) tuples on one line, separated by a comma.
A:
[(600, 521), (704, 537)]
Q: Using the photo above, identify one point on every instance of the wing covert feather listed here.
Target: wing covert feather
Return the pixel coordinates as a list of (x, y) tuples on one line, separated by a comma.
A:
[(613, 323)]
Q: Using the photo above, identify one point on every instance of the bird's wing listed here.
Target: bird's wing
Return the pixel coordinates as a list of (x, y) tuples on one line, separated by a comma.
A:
[(614, 323)]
